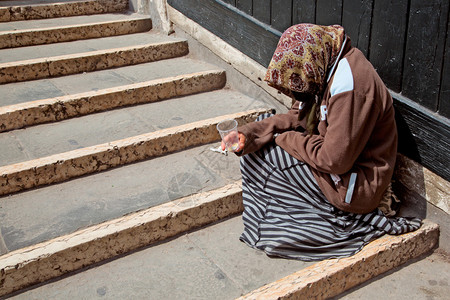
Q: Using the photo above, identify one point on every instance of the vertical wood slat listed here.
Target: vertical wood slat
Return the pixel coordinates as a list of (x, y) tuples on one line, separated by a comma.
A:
[(444, 97), (232, 2), (245, 6), (261, 10), (329, 12), (304, 11), (387, 40), (424, 51), (281, 14), (357, 20)]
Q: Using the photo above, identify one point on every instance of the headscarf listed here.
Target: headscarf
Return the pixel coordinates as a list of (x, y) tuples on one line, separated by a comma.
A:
[(303, 57)]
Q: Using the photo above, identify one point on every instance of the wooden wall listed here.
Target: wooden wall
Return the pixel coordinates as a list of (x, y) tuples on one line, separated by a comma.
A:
[(404, 39), (407, 41)]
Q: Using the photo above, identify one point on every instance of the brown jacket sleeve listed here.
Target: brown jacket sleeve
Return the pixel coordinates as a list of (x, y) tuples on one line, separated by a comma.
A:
[(349, 125), (257, 134)]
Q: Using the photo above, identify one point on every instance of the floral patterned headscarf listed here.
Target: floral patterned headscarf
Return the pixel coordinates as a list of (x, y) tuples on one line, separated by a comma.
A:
[(304, 55)]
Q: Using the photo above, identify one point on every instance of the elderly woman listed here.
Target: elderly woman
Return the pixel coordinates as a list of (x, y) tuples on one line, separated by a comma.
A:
[(313, 178)]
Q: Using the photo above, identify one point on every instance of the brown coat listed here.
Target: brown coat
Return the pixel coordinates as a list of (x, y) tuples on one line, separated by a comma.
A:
[(357, 134)]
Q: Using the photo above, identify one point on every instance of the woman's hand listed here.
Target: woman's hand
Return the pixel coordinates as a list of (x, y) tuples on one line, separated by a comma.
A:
[(229, 137)]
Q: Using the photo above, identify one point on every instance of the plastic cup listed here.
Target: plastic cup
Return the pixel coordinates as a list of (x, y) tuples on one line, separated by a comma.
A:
[(229, 134)]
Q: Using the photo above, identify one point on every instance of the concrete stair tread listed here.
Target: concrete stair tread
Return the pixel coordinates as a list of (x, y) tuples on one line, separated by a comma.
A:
[(63, 166), (30, 9), (34, 62), (208, 264), (45, 24), (39, 2), (86, 201), (49, 139), (19, 55), (54, 30), (21, 92), (36, 2)]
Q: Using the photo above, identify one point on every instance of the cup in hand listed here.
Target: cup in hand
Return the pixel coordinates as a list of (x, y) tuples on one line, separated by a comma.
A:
[(229, 134)]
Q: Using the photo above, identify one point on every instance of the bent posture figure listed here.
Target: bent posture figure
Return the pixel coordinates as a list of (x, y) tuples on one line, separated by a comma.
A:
[(313, 178)]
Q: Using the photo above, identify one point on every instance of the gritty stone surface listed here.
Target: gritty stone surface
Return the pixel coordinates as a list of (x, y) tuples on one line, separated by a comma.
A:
[(63, 209), (206, 264), (60, 167), (39, 36), (22, 10), (60, 108), (332, 277), (44, 89), (51, 259), (91, 61), (427, 277), (5, 14), (42, 52)]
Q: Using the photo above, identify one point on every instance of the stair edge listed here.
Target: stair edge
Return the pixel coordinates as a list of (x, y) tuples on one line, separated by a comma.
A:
[(26, 114), (332, 277), (63, 166), (51, 259), (46, 11)]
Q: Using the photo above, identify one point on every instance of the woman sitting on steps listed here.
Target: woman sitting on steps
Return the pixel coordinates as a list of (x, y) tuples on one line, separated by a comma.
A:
[(313, 178)]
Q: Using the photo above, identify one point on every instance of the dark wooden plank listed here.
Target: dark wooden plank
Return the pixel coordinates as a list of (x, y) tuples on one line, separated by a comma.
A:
[(281, 14), (423, 136), (387, 40), (239, 30), (232, 2), (444, 98), (245, 6), (304, 11), (329, 12), (357, 19), (261, 10), (425, 51)]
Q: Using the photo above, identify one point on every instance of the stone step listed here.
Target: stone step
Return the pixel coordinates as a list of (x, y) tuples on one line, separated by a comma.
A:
[(42, 9), (19, 93), (133, 123), (53, 258), (78, 134), (208, 264), (47, 31), (86, 201), (120, 92), (62, 165), (34, 62)]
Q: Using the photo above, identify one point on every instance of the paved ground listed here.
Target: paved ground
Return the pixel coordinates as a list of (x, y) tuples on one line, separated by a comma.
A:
[(427, 277), (207, 264), (213, 264)]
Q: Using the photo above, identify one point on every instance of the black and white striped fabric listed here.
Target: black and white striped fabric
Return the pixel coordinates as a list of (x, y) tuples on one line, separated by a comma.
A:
[(286, 214)]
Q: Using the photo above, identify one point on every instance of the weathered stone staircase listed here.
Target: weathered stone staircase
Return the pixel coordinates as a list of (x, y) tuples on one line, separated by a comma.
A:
[(106, 127)]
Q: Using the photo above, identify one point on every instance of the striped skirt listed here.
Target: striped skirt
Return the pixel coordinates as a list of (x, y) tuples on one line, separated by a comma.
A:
[(287, 215)]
